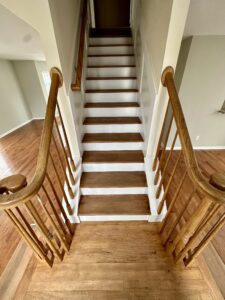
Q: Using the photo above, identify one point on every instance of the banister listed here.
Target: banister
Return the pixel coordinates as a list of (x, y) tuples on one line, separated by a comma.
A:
[(191, 163), (12, 200), (76, 86)]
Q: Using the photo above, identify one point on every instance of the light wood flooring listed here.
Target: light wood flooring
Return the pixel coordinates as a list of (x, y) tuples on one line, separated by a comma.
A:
[(123, 260)]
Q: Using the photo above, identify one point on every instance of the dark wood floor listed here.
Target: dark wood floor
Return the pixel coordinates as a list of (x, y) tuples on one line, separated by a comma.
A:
[(18, 152)]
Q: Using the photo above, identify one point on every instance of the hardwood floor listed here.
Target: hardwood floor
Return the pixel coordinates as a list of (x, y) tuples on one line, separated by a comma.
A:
[(107, 260), (123, 260)]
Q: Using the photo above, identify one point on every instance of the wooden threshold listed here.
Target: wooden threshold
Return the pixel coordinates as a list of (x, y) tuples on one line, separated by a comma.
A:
[(112, 78), (109, 55), (112, 66), (111, 45)]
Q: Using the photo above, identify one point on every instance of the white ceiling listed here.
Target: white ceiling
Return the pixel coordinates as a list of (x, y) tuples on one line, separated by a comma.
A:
[(18, 40), (206, 17)]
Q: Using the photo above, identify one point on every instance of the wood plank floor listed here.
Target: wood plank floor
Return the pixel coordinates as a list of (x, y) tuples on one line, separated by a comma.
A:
[(123, 260), (113, 256)]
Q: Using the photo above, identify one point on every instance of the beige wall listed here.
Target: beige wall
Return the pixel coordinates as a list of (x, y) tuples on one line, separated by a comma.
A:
[(13, 108), (202, 90), (65, 17), (30, 84)]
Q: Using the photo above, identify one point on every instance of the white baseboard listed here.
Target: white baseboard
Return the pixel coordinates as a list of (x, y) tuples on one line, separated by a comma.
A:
[(200, 148), (19, 126)]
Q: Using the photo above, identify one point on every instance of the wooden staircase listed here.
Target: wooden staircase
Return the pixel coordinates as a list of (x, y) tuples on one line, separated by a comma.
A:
[(113, 183)]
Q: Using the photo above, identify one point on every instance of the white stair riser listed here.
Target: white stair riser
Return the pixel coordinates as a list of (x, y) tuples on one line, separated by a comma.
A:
[(113, 128), (112, 112), (112, 146), (111, 84), (111, 72), (105, 218), (111, 50), (111, 97), (114, 191), (113, 167), (110, 40), (111, 60)]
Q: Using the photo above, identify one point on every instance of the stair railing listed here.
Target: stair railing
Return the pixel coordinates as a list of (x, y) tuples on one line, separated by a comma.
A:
[(76, 86), (40, 210), (195, 205)]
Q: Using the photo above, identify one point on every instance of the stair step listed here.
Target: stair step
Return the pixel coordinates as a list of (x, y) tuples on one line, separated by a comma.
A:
[(112, 138), (113, 83), (110, 40), (110, 55), (103, 60), (112, 91), (111, 104), (113, 157), (112, 45), (111, 120), (111, 78), (108, 71), (113, 180), (114, 205), (112, 66)]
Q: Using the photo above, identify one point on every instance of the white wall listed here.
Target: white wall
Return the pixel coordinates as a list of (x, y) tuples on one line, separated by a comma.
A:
[(30, 84), (13, 108), (202, 90), (65, 16)]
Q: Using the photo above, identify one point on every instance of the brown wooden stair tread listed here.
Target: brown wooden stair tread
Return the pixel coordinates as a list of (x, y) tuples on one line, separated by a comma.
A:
[(111, 91), (110, 55), (111, 104), (110, 45), (111, 120), (112, 78), (113, 157), (114, 205), (112, 66), (112, 137), (113, 179)]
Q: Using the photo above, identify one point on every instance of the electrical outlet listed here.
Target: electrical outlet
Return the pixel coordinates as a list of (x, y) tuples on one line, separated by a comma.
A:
[(197, 137)]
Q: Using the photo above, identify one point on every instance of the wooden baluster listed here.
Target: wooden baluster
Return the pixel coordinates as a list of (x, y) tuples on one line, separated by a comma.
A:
[(66, 138), (161, 204), (172, 203), (163, 152), (67, 221), (165, 167), (39, 250), (61, 238), (65, 154), (43, 229), (63, 169), (180, 214), (191, 225), (199, 231), (210, 235), (30, 229), (58, 218), (160, 140), (70, 211)]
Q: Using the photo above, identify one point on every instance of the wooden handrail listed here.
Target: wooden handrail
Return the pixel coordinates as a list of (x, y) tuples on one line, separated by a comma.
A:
[(191, 163), (76, 86), (42, 203), (9, 201), (191, 221)]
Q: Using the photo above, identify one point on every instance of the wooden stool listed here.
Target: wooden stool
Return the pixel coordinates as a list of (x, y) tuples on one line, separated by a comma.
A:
[(12, 183), (218, 181)]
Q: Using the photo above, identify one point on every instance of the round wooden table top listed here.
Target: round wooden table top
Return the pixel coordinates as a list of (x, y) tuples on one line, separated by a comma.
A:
[(12, 183)]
